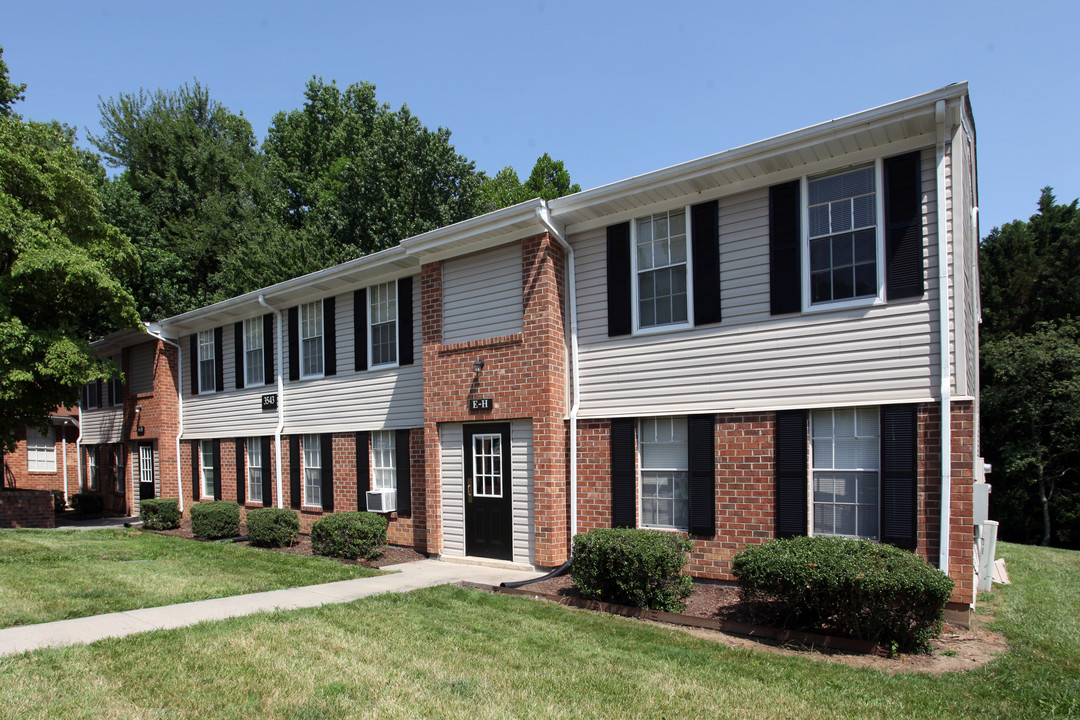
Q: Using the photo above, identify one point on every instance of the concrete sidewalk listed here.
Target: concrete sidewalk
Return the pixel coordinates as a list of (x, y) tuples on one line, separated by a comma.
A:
[(408, 576)]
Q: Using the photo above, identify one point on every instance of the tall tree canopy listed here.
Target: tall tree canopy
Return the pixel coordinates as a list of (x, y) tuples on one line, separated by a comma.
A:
[(1030, 372), (60, 260), (549, 179)]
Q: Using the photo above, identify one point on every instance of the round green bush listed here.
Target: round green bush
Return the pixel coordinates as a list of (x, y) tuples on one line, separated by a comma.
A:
[(273, 527), (640, 568), (350, 535), (160, 513), (88, 503), (862, 589), (215, 520)]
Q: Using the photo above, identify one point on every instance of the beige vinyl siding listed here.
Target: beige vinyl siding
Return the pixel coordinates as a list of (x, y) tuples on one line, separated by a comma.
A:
[(452, 479), (753, 361), (482, 294), (141, 372), (104, 425)]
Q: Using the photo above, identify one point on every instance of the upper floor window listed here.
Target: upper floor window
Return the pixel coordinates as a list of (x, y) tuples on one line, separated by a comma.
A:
[(843, 238), (207, 362), (384, 475), (116, 384), (92, 400), (383, 318), (846, 449), (664, 475), (661, 269), (40, 451), (253, 352), (311, 339)]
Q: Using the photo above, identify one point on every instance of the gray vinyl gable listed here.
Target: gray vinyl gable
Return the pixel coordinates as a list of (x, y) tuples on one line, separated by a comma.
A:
[(482, 294)]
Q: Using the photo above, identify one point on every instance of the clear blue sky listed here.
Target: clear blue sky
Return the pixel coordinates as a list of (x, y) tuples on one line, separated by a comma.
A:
[(614, 89)]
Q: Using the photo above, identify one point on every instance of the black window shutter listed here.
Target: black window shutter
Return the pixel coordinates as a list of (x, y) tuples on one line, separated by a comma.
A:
[(359, 303), (327, 472), (619, 296), (623, 474), (329, 336), (217, 469), (294, 343), (196, 491), (405, 321), (101, 393), (294, 471), (268, 348), (404, 474), (363, 469), (899, 475), (195, 364), (785, 255), (238, 353), (219, 360), (241, 464), (86, 397), (705, 233), (702, 463), (903, 226), (791, 469), (267, 475)]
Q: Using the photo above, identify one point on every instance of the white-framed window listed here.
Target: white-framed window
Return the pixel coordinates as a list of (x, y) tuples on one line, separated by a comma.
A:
[(664, 473), (207, 362), (384, 460), (40, 451), (661, 270), (382, 316), (91, 469), (844, 242), (118, 466), (253, 353), (146, 464), (846, 461), (93, 402), (254, 470), (312, 449), (311, 339), (488, 470), (206, 463), (117, 384)]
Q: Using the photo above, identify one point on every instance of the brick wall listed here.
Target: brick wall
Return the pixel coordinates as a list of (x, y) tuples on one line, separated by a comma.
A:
[(525, 374), (18, 475), (26, 509)]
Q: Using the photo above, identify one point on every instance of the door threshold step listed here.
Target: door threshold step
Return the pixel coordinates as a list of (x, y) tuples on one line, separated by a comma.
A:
[(486, 562)]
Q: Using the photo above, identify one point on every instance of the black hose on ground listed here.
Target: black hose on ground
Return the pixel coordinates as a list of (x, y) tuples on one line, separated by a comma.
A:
[(561, 570)]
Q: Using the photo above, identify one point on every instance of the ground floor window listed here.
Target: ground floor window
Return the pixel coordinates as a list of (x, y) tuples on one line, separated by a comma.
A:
[(40, 451), (206, 462), (255, 470), (846, 449), (312, 470), (91, 469), (384, 470), (665, 497), (119, 465)]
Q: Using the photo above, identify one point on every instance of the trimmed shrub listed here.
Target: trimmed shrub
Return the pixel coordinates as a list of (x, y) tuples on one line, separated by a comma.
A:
[(58, 503), (349, 535), (215, 520), (160, 513), (641, 568), (88, 503), (862, 589), (273, 527)]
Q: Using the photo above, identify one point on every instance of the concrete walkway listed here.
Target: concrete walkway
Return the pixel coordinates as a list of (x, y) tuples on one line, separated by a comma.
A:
[(408, 576)]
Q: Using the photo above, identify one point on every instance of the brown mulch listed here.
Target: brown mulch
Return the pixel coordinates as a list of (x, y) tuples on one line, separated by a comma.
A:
[(957, 648), (391, 554)]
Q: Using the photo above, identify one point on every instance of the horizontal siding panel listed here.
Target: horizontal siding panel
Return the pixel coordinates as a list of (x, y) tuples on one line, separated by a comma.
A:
[(482, 295), (374, 400), (228, 414), (141, 372), (452, 477), (104, 425), (521, 461)]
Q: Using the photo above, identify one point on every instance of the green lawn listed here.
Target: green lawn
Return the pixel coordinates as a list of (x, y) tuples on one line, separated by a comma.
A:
[(57, 574), (448, 652)]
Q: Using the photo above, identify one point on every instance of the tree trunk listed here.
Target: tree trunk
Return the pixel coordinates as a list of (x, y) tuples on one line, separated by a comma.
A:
[(1045, 506)]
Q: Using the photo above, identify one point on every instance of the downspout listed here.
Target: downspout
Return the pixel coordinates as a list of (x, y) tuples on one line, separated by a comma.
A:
[(179, 411), (946, 364), (544, 215), (63, 446), (280, 395), (78, 458)]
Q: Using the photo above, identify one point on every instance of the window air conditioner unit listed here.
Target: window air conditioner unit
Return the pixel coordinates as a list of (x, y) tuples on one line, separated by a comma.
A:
[(381, 501)]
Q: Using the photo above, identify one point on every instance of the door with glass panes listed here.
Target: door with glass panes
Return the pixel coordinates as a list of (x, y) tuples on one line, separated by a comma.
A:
[(488, 491)]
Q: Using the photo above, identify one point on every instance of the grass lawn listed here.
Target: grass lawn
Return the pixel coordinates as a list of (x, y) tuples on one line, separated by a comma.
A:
[(58, 574), (447, 652)]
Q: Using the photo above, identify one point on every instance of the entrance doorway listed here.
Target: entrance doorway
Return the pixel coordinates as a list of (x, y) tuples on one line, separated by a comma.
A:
[(488, 491)]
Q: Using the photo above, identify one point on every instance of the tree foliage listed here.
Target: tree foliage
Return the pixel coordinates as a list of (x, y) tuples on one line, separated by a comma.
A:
[(60, 264), (549, 179), (1031, 373), (10, 93)]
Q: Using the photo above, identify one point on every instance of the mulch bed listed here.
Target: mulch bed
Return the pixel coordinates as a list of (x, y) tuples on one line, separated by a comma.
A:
[(392, 554)]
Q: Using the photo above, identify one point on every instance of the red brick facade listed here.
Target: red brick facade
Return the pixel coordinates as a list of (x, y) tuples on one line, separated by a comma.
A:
[(26, 509), (18, 475)]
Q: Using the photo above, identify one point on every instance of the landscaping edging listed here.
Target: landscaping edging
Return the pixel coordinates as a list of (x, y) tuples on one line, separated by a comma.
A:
[(826, 642)]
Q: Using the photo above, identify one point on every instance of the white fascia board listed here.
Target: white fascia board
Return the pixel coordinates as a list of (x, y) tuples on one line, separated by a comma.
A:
[(121, 339), (476, 233), (814, 134)]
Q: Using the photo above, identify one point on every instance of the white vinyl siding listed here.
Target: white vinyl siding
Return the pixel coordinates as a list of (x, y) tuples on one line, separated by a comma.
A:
[(253, 353), (40, 451), (384, 461), (141, 377), (207, 362), (664, 473), (254, 470), (754, 361), (311, 340), (482, 295), (312, 450), (206, 465), (383, 314), (846, 458)]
